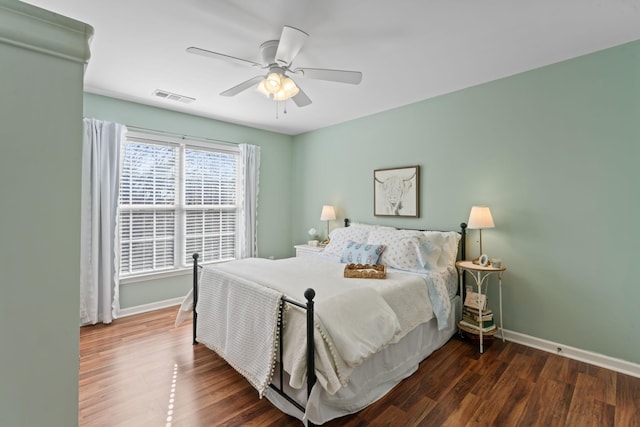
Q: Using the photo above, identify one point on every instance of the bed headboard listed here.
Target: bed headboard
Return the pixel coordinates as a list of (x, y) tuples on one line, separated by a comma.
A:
[(462, 253)]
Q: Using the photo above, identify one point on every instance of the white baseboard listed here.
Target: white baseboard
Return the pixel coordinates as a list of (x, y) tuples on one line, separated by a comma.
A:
[(139, 309), (596, 359)]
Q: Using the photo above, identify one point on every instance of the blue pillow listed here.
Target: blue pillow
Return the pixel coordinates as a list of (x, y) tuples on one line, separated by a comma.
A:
[(361, 253)]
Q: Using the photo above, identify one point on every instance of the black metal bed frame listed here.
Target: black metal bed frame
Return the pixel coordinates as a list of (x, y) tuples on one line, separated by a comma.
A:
[(309, 294)]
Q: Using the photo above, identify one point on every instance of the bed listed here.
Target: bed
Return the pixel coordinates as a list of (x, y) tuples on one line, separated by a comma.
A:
[(283, 323)]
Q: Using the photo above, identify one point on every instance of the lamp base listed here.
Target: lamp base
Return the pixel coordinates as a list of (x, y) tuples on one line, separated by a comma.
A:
[(476, 261)]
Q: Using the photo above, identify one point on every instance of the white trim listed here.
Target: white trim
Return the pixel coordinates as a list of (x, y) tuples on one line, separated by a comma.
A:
[(592, 358), (172, 272), (34, 28), (139, 309), (149, 137), (156, 275)]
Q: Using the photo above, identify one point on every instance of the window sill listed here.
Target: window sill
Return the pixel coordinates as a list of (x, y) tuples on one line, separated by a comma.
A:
[(156, 276), (164, 274)]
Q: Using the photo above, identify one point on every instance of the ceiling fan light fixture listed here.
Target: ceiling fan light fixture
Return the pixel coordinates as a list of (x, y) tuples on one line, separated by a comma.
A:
[(278, 87), (288, 85), (289, 88), (273, 83), (283, 96), (262, 88)]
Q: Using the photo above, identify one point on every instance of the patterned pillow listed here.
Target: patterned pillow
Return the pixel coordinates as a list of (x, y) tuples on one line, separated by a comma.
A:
[(341, 236), (406, 249), (361, 253)]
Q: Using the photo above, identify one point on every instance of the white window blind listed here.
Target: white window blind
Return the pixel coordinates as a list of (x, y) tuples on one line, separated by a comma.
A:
[(210, 204), (176, 199)]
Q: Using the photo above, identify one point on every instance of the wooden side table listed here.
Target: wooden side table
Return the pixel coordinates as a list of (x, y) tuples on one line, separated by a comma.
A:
[(480, 275)]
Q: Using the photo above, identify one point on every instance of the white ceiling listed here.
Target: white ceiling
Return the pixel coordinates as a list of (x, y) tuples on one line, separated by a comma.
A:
[(407, 50)]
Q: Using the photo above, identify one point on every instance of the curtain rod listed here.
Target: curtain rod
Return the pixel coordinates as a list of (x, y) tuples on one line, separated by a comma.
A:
[(179, 135)]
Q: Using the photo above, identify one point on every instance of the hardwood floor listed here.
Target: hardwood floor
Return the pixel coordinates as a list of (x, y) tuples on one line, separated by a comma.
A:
[(142, 371)]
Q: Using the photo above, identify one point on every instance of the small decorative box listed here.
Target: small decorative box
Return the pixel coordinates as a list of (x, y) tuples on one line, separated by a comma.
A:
[(365, 271)]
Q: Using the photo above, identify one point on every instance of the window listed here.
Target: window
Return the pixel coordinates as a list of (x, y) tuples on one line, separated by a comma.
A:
[(176, 198)]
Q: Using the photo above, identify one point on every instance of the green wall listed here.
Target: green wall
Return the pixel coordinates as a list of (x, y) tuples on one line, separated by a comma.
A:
[(274, 204), (554, 152), (42, 58)]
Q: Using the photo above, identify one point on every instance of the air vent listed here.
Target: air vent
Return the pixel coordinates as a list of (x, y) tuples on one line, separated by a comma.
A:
[(173, 96)]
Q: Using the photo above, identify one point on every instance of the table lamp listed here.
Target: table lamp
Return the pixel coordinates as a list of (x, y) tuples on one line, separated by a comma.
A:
[(480, 218), (328, 214)]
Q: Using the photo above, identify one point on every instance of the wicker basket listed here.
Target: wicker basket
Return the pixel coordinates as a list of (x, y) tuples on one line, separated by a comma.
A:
[(365, 271)]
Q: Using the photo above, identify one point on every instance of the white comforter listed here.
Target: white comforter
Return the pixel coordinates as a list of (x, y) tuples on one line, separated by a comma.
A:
[(355, 318)]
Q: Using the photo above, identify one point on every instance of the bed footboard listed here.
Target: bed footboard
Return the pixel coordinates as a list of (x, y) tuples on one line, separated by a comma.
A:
[(309, 294), (195, 295)]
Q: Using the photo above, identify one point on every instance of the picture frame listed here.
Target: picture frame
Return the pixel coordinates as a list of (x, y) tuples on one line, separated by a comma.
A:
[(483, 260), (396, 192)]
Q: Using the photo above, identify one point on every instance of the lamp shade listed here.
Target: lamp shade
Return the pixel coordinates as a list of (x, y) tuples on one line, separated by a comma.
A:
[(480, 217), (328, 213)]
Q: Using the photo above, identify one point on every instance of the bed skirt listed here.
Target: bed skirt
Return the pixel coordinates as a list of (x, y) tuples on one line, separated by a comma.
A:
[(374, 378)]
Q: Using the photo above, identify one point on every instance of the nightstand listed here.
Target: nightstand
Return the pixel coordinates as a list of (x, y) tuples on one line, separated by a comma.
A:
[(480, 274), (308, 250)]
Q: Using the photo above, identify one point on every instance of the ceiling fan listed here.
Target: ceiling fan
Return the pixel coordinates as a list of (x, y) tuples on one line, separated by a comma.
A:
[(277, 57)]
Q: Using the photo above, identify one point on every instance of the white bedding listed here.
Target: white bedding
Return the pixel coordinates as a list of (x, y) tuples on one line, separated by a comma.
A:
[(372, 379), (388, 309), (240, 315)]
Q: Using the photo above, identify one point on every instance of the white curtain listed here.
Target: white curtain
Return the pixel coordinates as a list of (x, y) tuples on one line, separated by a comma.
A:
[(99, 284), (248, 224)]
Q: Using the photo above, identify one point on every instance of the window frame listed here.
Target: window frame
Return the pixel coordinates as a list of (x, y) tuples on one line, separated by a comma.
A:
[(180, 231)]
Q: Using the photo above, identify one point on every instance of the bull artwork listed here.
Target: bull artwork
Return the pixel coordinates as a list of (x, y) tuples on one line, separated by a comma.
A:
[(396, 192)]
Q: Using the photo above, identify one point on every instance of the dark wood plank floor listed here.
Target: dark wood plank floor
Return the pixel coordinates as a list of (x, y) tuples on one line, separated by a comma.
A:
[(142, 371)]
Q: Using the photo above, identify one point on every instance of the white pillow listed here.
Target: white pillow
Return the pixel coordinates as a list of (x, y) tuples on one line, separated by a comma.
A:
[(405, 249), (371, 227), (448, 241), (363, 225), (339, 238)]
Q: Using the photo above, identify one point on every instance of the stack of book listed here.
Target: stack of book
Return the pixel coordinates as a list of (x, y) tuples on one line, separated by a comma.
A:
[(475, 317)]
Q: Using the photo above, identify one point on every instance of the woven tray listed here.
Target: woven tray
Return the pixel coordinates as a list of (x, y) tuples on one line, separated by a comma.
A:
[(365, 271)]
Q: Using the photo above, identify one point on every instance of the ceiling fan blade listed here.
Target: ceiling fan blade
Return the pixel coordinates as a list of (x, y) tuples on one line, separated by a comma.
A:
[(340, 76), (242, 86), (291, 41), (301, 99), (222, 56)]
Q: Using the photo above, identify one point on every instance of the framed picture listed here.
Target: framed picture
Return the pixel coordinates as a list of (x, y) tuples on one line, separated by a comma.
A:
[(395, 192)]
